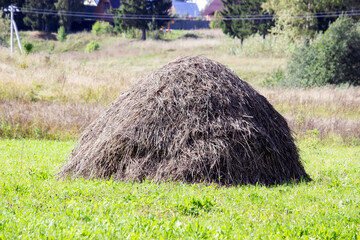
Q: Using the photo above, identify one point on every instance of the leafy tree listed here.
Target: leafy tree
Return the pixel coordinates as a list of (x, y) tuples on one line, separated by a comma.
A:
[(69, 5), (141, 14), (242, 28), (289, 19), (4, 30), (297, 17), (42, 22), (334, 6), (18, 17)]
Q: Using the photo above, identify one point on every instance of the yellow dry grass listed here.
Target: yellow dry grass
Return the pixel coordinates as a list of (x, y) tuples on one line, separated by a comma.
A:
[(77, 79)]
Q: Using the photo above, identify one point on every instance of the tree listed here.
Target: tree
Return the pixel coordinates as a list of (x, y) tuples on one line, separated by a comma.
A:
[(242, 28), (18, 17), (4, 30), (68, 5), (41, 21), (298, 17), (140, 14), (334, 6)]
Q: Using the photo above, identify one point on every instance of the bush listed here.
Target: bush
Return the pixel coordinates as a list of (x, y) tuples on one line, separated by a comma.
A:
[(28, 46), (4, 31), (92, 46), (333, 58), (102, 28), (61, 36), (156, 35)]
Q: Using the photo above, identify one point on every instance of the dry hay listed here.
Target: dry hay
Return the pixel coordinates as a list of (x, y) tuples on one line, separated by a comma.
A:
[(192, 120)]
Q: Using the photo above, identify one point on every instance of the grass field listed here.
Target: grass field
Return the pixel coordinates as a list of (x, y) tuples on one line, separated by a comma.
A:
[(49, 96), (57, 90), (35, 205)]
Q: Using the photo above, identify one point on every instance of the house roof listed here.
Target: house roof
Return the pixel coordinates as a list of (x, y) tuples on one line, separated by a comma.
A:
[(91, 2), (215, 5), (186, 8)]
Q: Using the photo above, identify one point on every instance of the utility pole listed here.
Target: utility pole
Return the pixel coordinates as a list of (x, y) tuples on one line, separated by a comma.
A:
[(13, 27)]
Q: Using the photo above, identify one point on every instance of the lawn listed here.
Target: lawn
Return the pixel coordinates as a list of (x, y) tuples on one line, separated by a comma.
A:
[(34, 204)]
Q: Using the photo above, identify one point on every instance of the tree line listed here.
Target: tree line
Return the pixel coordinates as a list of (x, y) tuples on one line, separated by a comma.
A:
[(293, 18), (44, 22), (286, 12)]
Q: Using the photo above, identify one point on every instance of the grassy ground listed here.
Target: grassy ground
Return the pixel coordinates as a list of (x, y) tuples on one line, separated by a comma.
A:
[(35, 205), (56, 91)]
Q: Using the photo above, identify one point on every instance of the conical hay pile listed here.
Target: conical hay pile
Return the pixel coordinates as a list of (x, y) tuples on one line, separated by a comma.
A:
[(192, 120)]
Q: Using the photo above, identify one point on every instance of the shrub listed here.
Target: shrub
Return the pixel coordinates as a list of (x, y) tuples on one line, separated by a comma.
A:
[(156, 35), (216, 21), (102, 28), (333, 58), (28, 46), (61, 36), (92, 46), (274, 79)]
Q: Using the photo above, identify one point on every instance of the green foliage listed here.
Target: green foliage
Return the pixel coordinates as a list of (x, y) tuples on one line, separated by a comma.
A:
[(61, 34), (92, 46), (274, 79), (99, 28), (291, 23), (4, 30), (29, 47), (19, 16), (194, 207), (141, 7), (42, 22), (326, 208), (242, 28), (333, 58), (68, 5), (216, 21), (156, 35)]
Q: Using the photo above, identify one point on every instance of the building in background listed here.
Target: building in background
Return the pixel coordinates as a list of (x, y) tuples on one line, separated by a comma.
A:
[(209, 11), (183, 8), (91, 2), (103, 9)]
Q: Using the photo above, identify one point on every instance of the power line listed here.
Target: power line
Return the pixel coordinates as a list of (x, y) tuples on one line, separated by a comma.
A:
[(166, 17), (149, 15)]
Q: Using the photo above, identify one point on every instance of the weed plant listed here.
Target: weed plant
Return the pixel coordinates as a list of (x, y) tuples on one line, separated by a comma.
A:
[(28, 46), (92, 46)]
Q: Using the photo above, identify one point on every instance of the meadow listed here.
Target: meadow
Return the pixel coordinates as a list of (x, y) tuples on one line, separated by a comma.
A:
[(49, 96), (35, 205)]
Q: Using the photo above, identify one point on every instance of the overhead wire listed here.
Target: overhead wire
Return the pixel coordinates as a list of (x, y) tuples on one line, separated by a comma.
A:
[(167, 17)]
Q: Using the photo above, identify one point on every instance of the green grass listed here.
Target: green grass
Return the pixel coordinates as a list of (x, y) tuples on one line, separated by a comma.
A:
[(35, 205)]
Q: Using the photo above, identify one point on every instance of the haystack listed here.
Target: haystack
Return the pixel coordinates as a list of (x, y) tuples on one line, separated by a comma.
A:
[(192, 120)]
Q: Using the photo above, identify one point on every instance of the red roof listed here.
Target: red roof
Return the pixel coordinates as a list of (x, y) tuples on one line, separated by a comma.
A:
[(214, 6)]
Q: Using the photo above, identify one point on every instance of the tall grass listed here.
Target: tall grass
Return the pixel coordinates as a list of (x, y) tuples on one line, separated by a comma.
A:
[(62, 77), (257, 46)]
